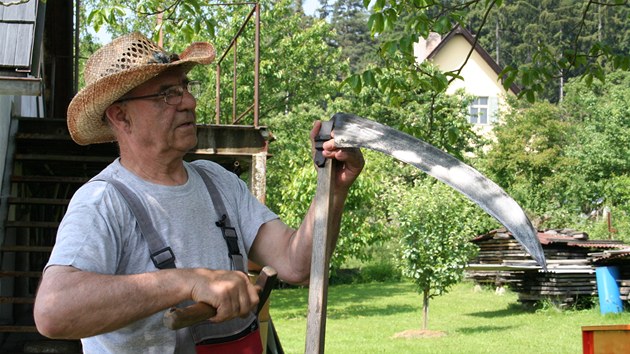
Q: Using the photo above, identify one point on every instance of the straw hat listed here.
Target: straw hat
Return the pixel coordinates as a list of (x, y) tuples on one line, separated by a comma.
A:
[(114, 70)]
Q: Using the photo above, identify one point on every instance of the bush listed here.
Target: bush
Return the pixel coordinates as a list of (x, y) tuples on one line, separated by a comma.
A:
[(374, 272), (379, 272)]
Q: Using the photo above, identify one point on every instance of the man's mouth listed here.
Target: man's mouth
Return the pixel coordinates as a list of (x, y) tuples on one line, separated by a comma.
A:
[(187, 124)]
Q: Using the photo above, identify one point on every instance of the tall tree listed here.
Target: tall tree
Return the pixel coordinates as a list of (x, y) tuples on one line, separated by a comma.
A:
[(325, 9), (529, 149), (526, 33), (349, 19), (299, 6), (296, 64)]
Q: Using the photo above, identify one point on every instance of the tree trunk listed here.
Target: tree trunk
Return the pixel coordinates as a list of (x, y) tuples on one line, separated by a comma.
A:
[(425, 309)]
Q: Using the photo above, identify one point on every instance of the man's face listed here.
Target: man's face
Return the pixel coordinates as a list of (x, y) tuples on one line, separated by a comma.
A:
[(160, 127)]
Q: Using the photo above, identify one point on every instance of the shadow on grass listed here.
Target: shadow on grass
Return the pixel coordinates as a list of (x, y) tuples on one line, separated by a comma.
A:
[(511, 310), (335, 312), (483, 329)]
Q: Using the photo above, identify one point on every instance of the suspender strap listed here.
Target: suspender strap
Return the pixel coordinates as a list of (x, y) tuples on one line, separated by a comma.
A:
[(229, 232), (161, 255)]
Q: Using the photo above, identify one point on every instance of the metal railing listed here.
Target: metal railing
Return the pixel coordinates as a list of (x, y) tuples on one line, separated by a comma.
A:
[(237, 117)]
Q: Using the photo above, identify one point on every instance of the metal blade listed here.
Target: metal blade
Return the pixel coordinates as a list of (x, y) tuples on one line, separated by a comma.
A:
[(352, 131)]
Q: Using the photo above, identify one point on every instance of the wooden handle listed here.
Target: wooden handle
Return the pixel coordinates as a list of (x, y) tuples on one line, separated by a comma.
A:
[(177, 318), (322, 246)]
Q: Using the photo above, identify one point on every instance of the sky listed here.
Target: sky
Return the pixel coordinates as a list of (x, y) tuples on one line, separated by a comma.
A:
[(310, 6)]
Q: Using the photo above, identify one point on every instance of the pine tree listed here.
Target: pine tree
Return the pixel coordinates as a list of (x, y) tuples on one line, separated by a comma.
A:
[(516, 31), (349, 18)]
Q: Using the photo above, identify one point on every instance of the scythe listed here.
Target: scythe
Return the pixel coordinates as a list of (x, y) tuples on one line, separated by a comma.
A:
[(351, 131)]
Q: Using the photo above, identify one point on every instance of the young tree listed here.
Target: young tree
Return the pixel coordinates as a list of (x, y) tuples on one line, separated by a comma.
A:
[(435, 224)]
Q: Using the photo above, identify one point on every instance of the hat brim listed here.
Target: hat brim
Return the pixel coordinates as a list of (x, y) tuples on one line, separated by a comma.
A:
[(86, 111)]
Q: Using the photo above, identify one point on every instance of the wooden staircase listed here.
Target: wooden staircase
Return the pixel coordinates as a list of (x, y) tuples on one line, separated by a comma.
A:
[(48, 167)]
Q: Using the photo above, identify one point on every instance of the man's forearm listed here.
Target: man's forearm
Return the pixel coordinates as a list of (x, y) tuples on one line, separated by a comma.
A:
[(76, 304), (303, 238)]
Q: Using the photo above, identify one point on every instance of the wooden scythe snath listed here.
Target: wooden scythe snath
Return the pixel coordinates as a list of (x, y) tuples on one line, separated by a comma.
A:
[(322, 247), (318, 285), (356, 132)]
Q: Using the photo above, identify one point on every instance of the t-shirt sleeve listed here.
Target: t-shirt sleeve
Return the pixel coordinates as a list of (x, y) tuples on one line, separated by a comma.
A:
[(89, 237)]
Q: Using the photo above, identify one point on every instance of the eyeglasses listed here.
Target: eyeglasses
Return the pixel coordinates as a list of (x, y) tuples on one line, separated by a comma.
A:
[(172, 95)]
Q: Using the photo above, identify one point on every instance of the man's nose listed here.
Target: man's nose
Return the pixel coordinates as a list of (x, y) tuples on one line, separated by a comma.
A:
[(188, 100)]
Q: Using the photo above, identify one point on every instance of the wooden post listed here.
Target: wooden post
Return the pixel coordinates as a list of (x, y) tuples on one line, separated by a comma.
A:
[(318, 286)]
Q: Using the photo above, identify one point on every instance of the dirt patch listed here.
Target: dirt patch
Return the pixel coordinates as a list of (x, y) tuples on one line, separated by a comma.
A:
[(419, 333)]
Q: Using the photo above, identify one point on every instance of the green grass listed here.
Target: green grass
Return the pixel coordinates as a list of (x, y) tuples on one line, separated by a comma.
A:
[(363, 318)]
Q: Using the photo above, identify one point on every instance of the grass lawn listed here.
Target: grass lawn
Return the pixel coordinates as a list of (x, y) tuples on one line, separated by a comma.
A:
[(363, 318)]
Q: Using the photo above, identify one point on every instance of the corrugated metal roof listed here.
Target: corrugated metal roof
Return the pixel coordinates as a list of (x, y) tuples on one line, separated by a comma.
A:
[(570, 238), (17, 33), (610, 255), (21, 12)]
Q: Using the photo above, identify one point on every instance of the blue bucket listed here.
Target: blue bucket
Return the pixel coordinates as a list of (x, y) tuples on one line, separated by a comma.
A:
[(608, 290)]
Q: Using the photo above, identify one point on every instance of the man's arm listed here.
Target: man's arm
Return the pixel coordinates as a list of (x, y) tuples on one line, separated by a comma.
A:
[(71, 303), (289, 251)]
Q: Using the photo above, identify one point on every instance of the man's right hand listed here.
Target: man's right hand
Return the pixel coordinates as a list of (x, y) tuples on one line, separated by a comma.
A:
[(230, 292)]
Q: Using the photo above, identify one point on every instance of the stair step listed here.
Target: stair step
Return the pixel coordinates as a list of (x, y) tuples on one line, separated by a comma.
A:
[(44, 201), (18, 329), (18, 274), (44, 136), (50, 179), (21, 248), (16, 300), (33, 224), (75, 158), (52, 346)]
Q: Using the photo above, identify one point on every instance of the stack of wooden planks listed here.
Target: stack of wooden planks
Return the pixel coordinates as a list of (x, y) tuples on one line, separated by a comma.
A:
[(570, 274)]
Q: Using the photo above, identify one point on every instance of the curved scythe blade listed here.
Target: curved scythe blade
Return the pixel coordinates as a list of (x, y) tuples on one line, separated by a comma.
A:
[(352, 131)]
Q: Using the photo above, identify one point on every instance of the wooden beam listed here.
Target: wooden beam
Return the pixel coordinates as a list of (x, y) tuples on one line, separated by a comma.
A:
[(20, 86)]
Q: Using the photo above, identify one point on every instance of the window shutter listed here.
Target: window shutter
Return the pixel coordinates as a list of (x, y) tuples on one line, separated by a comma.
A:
[(493, 109)]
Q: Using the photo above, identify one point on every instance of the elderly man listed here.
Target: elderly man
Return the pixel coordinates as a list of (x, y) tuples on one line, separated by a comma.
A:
[(100, 283)]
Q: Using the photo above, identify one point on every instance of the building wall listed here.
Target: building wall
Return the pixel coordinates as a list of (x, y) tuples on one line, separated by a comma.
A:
[(480, 79)]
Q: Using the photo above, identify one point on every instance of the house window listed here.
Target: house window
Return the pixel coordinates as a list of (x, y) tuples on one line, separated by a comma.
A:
[(478, 112)]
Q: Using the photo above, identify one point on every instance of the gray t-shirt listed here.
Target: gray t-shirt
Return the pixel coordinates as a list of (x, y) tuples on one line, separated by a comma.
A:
[(99, 234)]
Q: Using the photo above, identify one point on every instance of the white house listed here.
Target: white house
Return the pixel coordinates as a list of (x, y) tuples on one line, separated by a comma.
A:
[(480, 73)]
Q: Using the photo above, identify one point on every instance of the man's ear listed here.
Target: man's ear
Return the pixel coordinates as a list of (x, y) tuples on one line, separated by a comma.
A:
[(117, 116)]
